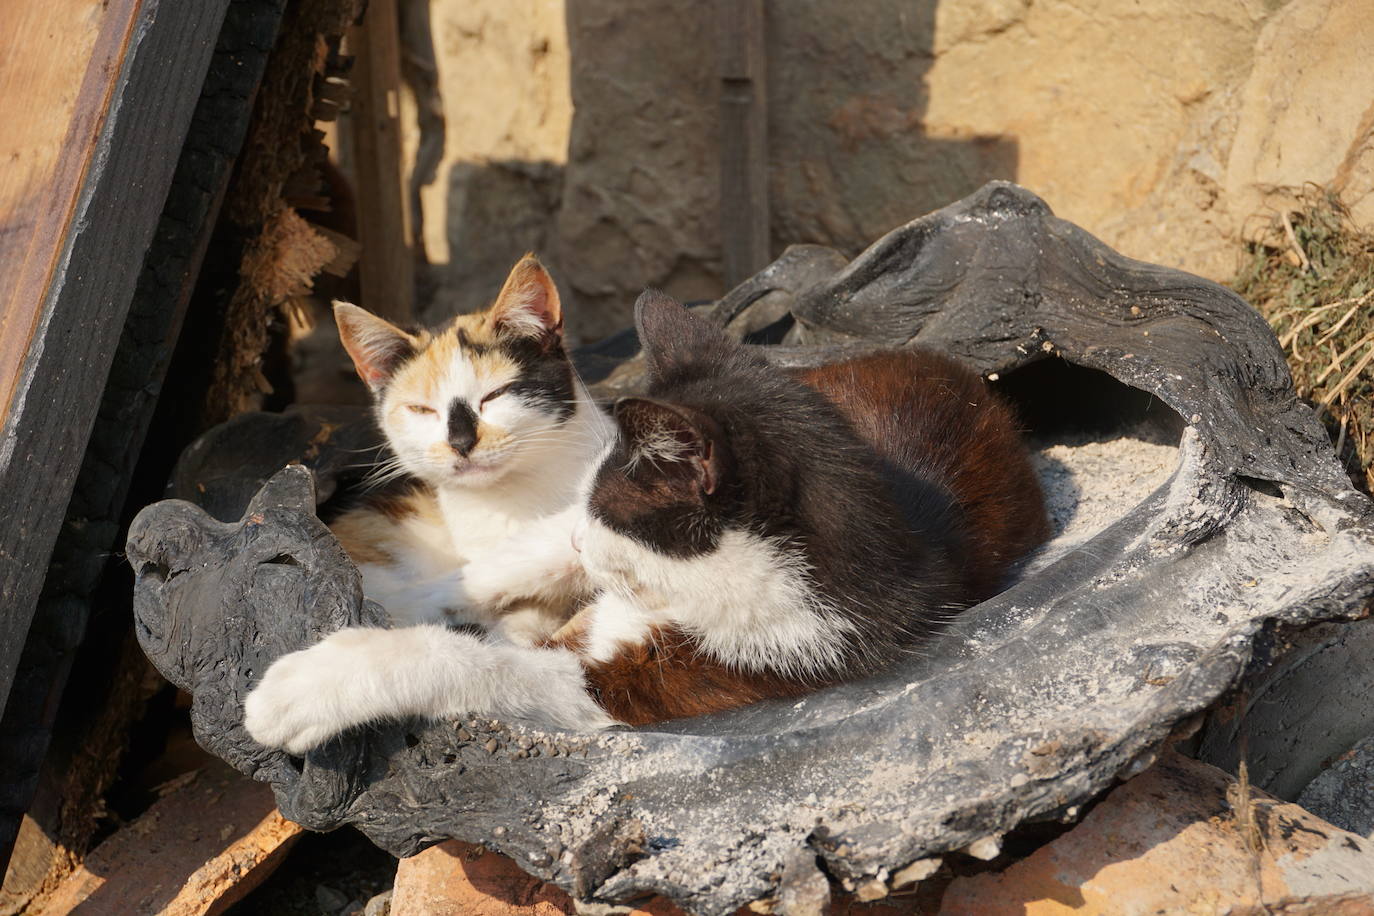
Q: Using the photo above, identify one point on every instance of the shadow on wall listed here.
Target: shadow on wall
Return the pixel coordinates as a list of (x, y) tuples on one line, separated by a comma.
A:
[(496, 212), (637, 204), (851, 156)]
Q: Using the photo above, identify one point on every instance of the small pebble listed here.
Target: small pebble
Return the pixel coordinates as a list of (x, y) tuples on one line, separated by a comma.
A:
[(871, 890), (987, 849), (919, 870), (491, 746), (379, 905)]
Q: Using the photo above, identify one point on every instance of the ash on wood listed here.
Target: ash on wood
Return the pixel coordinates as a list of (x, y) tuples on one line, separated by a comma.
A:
[(1028, 707)]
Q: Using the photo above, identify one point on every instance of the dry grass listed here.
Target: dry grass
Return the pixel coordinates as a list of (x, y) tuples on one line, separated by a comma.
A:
[(1311, 275)]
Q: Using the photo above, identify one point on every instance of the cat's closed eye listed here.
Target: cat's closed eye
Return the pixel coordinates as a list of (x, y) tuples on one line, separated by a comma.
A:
[(422, 409), (494, 394)]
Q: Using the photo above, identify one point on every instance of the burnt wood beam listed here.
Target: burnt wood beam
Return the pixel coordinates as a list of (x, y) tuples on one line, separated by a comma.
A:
[(35, 779), (86, 231)]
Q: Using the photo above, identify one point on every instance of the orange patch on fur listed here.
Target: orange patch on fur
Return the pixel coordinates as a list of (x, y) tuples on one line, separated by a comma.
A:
[(371, 532)]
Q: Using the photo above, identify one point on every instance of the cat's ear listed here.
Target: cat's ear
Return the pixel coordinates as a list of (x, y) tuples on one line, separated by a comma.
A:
[(672, 337), (528, 304), (673, 438), (376, 347)]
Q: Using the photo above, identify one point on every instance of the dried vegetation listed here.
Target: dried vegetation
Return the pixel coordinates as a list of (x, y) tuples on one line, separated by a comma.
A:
[(1310, 272)]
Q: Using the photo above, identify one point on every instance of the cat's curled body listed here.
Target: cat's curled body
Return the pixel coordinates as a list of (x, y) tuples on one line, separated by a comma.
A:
[(493, 432), (751, 533)]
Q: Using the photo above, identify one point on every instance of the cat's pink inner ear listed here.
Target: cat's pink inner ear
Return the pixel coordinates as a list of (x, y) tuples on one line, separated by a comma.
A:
[(528, 303), (376, 347)]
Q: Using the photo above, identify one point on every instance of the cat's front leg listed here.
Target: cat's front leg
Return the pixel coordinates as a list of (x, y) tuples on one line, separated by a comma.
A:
[(361, 675)]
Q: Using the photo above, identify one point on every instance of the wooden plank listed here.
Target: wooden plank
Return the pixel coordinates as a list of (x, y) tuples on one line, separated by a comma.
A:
[(213, 837), (386, 271), (60, 787), (56, 66), (742, 67), (83, 248)]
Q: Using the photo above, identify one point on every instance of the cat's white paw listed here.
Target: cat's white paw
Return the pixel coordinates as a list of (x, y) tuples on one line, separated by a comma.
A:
[(307, 697)]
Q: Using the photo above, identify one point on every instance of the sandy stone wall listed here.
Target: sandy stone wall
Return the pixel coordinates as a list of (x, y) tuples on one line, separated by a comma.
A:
[(587, 129), (503, 70)]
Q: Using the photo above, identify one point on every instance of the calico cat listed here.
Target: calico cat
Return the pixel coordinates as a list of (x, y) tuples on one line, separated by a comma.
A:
[(750, 533), (492, 430)]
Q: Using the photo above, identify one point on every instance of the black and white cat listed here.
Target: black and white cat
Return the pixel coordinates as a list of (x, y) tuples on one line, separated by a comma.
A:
[(748, 533)]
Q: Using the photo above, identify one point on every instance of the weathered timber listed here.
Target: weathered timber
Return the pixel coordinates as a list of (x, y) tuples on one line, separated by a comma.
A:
[(1028, 707), (85, 759), (386, 271), (85, 232), (46, 50), (211, 838)]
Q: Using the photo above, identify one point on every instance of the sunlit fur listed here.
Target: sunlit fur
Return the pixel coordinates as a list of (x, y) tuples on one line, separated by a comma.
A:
[(537, 435), (748, 604)]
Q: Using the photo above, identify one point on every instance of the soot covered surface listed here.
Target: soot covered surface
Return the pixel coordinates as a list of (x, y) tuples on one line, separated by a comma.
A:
[(1145, 609)]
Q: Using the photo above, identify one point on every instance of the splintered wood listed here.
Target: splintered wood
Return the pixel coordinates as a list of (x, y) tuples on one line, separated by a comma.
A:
[(282, 263), (212, 838), (283, 169)]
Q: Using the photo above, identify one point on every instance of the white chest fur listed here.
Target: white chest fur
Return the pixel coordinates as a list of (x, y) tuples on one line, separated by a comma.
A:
[(750, 603)]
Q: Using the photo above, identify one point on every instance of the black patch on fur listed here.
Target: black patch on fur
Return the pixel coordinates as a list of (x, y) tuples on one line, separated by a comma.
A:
[(880, 540), (467, 343), (462, 426), (545, 372), (653, 504)]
